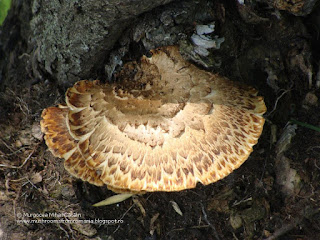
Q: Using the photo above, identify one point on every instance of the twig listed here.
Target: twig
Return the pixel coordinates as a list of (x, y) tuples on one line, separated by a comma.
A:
[(24, 55), (15, 203), (31, 184), (215, 233), (18, 167), (16, 180), (70, 229), (308, 213), (123, 217), (65, 231), (193, 227), (14, 152), (10, 148), (236, 203), (276, 103), (284, 229), (316, 165)]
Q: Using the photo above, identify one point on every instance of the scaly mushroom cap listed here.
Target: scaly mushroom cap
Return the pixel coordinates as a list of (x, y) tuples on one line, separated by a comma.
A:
[(164, 127)]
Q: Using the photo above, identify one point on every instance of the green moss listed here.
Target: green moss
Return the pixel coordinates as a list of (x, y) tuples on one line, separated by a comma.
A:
[(4, 7)]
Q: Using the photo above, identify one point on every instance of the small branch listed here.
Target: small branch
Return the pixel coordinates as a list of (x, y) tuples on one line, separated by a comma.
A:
[(205, 217), (18, 167), (276, 103), (308, 213)]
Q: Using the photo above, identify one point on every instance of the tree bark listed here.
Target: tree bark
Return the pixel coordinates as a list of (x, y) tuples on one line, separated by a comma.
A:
[(65, 39)]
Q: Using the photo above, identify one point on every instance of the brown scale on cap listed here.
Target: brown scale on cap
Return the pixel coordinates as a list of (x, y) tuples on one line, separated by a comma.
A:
[(165, 126)]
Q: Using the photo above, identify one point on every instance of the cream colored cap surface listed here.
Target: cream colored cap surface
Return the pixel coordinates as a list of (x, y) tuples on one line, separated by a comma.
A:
[(163, 126)]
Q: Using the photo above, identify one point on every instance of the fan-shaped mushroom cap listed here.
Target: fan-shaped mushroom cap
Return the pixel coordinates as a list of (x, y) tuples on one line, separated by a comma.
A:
[(164, 127)]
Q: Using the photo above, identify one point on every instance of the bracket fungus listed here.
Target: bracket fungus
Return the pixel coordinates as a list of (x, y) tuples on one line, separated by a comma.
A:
[(164, 125)]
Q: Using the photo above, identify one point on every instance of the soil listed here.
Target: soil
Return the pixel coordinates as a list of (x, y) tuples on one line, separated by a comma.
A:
[(273, 195)]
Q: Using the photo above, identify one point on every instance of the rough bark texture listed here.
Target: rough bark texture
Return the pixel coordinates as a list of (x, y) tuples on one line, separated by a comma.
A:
[(67, 39), (74, 36)]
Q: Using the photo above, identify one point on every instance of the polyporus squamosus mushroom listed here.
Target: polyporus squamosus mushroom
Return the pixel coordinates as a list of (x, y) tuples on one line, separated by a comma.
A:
[(164, 127)]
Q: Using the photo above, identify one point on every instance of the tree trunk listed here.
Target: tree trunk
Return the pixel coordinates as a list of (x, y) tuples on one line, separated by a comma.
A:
[(65, 40)]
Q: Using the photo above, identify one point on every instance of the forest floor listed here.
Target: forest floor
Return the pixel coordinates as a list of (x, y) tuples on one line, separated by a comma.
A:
[(275, 194), (272, 193)]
